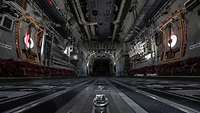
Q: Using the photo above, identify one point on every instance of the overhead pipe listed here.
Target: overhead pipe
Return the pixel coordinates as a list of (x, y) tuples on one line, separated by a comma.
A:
[(82, 15), (117, 21), (81, 19), (147, 6), (120, 12), (51, 11), (77, 14), (93, 30), (84, 21), (115, 31), (81, 22)]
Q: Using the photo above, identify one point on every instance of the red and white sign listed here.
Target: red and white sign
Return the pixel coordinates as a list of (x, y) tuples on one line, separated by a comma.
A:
[(28, 40), (173, 41)]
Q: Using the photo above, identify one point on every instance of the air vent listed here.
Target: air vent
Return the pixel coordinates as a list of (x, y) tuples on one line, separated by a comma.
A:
[(6, 22), (191, 4)]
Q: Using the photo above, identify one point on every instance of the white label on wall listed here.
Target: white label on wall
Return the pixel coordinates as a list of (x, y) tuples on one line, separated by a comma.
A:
[(68, 50)]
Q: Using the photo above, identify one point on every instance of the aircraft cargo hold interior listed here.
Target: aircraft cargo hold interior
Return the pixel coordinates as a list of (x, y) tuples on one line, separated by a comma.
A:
[(99, 56)]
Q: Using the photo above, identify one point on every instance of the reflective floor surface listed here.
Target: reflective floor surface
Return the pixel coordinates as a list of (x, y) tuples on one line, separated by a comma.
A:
[(99, 95)]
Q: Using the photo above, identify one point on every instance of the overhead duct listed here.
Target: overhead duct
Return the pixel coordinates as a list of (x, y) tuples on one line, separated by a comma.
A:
[(191, 4), (51, 11), (54, 14), (149, 9), (81, 18), (118, 20), (82, 15), (120, 12), (80, 22)]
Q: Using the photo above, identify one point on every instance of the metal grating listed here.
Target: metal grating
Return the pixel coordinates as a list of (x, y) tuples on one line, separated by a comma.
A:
[(22, 3)]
